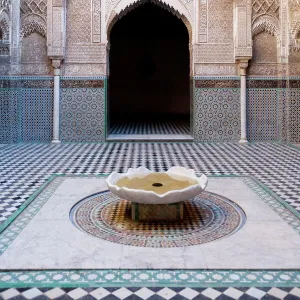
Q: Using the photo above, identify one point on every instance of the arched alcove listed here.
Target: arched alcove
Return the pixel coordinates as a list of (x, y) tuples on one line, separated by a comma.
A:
[(264, 48), (149, 72)]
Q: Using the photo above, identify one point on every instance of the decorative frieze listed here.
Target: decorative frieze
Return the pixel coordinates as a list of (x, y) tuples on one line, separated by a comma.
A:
[(25, 83), (82, 83), (217, 83), (34, 69), (211, 69), (213, 53), (86, 54), (84, 69)]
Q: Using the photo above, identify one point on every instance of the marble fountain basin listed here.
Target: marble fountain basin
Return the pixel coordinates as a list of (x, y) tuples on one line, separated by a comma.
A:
[(143, 186)]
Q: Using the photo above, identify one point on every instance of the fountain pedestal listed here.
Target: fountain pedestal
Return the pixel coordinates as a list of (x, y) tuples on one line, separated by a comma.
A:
[(157, 212)]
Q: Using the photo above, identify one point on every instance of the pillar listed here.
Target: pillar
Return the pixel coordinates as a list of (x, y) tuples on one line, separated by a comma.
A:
[(243, 74), (55, 135)]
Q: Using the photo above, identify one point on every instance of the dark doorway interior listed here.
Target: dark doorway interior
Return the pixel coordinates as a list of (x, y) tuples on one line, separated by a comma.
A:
[(149, 73)]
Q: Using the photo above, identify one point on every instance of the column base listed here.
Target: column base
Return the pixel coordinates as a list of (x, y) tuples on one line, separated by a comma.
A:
[(243, 141), (55, 142)]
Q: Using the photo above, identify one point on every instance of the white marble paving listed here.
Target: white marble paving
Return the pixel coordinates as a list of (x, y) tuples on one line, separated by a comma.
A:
[(51, 241)]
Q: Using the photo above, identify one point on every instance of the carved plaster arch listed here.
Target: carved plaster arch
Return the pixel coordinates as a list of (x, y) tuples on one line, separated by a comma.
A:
[(31, 27), (4, 24), (125, 6), (266, 25), (295, 29)]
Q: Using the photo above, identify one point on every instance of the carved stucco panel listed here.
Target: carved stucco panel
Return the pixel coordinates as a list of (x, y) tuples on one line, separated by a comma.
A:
[(34, 48), (220, 21), (203, 11), (84, 69), (294, 12), (96, 21), (78, 21), (213, 53), (217, 70), (86, 54)]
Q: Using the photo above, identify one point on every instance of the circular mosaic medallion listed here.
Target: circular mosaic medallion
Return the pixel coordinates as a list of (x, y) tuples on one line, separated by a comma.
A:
[(207, 217)]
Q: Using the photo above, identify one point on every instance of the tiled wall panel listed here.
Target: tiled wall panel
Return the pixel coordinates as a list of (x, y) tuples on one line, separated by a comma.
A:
[(25, 109), (35, 115), (82, 114), (217, 114), (263, 114), (293, 98), (8, 115)]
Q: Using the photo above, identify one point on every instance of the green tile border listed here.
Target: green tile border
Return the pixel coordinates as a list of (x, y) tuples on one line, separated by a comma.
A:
[(149, 278), (140, 278)]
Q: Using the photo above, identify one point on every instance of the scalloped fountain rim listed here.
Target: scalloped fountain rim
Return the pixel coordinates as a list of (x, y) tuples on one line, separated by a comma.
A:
[(123, 192)]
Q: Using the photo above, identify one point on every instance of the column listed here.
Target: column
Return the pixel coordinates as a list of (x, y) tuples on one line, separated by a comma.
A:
[(55, 136), (243, 73)]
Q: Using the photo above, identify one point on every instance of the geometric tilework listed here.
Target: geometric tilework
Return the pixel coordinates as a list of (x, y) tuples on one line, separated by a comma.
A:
[(26, 109), (217, 114), (82, 115), (35, 109), (293, 98), (24, 168), (262, 115), (8, 115), (152, 293), (26, 115), (150, 277), (206, 217)]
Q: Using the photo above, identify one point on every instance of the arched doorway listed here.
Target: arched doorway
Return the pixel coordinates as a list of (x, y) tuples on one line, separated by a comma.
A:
[(149, 92)]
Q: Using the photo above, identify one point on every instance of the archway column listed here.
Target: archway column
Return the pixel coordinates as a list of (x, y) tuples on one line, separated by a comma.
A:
[(56, 63), (243, 74)]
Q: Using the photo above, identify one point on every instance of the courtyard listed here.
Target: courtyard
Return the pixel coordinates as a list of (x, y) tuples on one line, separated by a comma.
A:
[(45, 254)]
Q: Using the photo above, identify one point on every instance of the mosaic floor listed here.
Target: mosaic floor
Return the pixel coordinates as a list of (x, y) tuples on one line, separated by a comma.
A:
[(25, 167), (153, 127), (206, 218), (43, 236)]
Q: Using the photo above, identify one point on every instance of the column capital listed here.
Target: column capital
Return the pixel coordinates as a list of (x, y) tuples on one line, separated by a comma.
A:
[(243, 65), (56, 63)]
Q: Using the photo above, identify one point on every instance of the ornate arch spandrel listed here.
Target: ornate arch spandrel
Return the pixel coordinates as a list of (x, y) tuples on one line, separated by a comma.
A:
[(174, 6), (266, 25), (31, 27)]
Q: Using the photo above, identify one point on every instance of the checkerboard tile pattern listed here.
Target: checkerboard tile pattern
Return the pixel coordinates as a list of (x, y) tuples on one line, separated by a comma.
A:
[(25, 167), (151, 127), (151, 293)]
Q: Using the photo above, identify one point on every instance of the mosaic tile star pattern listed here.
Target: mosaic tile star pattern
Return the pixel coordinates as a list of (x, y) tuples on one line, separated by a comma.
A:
[(207, 217)]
